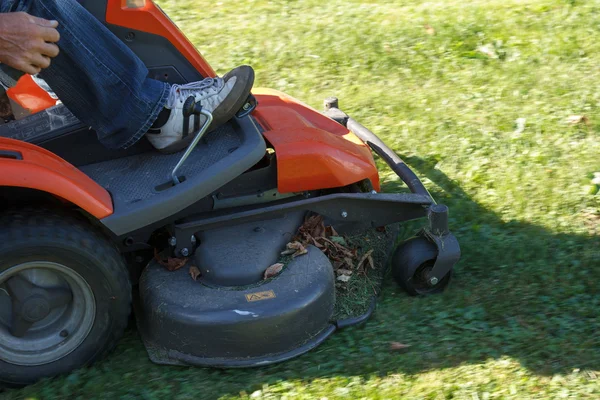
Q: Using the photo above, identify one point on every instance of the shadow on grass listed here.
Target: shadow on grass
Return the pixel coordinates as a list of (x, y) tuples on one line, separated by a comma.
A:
[(520, 291)]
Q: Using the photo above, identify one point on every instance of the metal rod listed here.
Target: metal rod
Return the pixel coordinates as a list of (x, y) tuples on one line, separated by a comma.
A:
[(192, 146), (396, 164)]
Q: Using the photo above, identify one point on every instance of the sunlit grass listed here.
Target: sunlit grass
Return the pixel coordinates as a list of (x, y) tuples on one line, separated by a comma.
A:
[(475, 95)]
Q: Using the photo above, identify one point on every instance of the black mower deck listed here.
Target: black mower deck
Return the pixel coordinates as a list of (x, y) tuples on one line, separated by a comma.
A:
[(231, 317)]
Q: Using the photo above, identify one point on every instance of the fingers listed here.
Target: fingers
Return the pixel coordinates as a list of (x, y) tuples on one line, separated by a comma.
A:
[(29, 69), (43, 22), (49, 34), (40, 61), (49, 49)]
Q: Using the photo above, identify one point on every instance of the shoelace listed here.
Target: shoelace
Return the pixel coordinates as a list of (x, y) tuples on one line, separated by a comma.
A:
[(180, 93)]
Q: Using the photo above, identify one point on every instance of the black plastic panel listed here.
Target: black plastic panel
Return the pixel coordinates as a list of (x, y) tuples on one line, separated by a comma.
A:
[(155, 51), (237, 255)]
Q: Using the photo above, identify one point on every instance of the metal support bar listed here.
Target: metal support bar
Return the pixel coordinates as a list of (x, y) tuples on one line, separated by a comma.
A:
[(375, 209), (378, 146), (192, 146)]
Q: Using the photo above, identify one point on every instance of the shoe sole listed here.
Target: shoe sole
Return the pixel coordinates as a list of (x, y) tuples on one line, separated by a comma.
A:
[(220, 116)]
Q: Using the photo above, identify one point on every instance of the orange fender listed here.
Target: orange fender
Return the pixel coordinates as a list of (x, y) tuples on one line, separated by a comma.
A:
[(42, 170), (313, 151)]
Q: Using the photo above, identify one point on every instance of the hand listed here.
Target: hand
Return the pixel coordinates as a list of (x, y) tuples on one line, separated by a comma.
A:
[(27, 43)]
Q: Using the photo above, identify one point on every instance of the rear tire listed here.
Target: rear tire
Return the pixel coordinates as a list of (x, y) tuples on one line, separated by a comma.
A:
[(43, 249)]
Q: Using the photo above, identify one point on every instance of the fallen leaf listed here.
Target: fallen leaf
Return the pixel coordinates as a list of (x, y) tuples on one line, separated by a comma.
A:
[(578, 119), (273, 270), (349, 262), (429, 29), (172, 264), (295, 249), (342, 271), (343, 278), (395, 346), (371, 261), (521, 124), (366, 257), (300, 253), (195, 272), (295, 246), (487, 50), (333, 231)]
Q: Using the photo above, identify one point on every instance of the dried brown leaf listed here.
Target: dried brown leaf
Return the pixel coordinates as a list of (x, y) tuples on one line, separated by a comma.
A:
[(578, 119), (315, 242), (342, 271), (429, 29), (395, 346), (194, 272), (337, 265), (172, 264), (348, 262), (295, 249), (364, 258), (371, 261), (300, 252), (295, 246), (273, 270), (314, 226)]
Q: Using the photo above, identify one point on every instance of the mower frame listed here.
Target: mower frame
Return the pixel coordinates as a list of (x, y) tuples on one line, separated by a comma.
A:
[(368, 209)]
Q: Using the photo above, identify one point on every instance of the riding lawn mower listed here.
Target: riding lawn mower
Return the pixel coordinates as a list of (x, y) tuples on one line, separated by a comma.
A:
[(81, 225)]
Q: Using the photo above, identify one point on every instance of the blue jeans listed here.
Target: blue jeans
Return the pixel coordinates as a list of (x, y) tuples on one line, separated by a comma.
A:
[(99, 79)]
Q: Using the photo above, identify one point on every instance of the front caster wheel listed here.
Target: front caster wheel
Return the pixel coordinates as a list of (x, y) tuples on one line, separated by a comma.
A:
[(412, 262), (65, 295)]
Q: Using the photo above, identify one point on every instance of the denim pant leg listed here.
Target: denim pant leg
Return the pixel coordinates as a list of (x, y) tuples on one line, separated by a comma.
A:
[(99, 79)]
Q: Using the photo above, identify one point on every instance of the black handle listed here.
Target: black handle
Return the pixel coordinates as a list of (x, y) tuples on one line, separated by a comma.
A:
[(190, 107), (13, 155)]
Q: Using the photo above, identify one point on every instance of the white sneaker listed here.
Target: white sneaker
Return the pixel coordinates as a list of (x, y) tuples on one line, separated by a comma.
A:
[(222, 97)]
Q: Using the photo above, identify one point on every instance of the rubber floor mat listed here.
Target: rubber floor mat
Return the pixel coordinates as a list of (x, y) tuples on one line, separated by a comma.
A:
[(135, 178)]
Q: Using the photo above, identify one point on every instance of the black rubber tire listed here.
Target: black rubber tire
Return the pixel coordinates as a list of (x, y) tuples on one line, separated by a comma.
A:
[(408, 262), (68, 239)]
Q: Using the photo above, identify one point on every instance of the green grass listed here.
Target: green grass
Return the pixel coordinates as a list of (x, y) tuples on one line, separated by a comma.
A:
[(521, 318)]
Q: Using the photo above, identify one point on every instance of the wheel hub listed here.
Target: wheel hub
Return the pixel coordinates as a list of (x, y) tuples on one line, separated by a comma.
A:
[(39, 302), (35, 309)]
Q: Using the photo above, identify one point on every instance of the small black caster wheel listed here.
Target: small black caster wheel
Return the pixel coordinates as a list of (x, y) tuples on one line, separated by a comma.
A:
[(412, 262)]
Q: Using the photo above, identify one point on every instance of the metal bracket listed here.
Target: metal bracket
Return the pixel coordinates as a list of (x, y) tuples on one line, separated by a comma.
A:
[(446, 243), (249, 106)]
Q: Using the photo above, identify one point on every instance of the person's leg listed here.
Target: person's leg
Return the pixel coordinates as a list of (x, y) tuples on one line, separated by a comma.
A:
[(105, 85), (95, 75)]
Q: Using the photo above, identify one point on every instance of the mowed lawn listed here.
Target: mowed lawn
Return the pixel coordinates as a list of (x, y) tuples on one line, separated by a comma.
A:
[(496, 105)]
